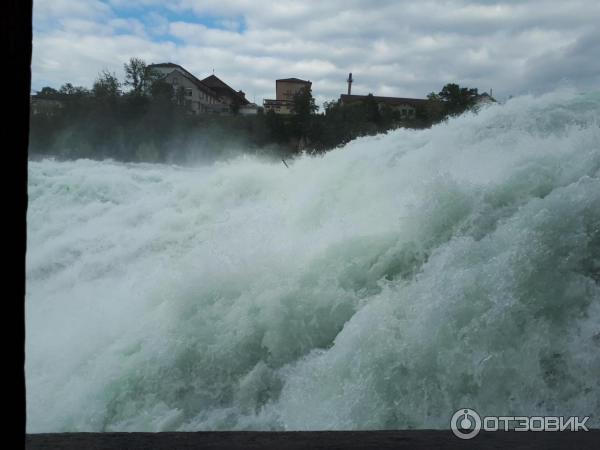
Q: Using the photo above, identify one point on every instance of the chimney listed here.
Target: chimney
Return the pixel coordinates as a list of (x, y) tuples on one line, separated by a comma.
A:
[(349, 80)]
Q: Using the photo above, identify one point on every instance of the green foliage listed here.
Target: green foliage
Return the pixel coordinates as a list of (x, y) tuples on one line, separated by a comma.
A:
[(48, 92), (277, 127), (162, 91), (107, 86), (68, 89), (302, 123), (433, 111), (304, 103), (139, 76), (457, 99), (372, 109)]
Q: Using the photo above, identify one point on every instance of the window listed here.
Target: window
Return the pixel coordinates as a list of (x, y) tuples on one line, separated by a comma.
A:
[(188, 92)]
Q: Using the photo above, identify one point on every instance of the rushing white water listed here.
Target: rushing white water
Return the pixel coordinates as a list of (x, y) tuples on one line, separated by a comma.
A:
[(383, 285)]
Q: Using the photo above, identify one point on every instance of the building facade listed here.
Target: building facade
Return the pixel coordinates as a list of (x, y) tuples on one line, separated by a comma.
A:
[(285, 90), (250, 109), (229, 96), (210, 95)]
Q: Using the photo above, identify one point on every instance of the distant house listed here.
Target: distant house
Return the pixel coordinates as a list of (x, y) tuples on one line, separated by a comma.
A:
[(197, 96), (285, 89), (210, 95), (226, 93), (407, 107)]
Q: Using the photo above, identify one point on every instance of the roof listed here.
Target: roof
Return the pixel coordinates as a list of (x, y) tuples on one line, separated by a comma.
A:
[(187, 74), (388, 100), (294, 80), (168, 64), (221, 87)]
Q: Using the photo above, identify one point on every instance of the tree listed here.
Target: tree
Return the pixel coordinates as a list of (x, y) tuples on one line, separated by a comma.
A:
[(304, 103), (75, 99), (134, 74), (162, 91), (303, 107), (48, 92), (330, 106), (139, 76), (76, 91), (457, 99), (276, 127), (372, 109), (390, 117), (432, 111), (106, 86)]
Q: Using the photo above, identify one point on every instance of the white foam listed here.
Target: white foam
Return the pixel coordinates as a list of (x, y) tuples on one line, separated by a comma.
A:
[(382, 285)]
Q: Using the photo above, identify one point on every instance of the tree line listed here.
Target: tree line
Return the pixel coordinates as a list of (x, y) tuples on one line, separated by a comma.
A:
[(145, 119)]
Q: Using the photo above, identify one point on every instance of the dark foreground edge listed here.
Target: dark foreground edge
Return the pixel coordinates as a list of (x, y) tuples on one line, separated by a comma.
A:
[(422, 439)]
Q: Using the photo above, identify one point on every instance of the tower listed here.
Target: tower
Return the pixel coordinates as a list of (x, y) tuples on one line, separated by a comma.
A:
[(349, 80)]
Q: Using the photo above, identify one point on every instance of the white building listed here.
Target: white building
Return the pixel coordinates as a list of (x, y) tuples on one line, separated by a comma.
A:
[(210, 95), (226, 93), (197, 96)]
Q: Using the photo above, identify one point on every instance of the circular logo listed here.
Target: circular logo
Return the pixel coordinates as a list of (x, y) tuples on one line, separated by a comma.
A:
[(465, 423)]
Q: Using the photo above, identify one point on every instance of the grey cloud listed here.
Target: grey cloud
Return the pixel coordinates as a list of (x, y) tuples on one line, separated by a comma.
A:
[(577, 64), (405, 48)]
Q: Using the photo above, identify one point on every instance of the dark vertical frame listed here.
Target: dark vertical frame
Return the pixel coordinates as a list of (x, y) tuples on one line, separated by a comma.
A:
[(17, 35)]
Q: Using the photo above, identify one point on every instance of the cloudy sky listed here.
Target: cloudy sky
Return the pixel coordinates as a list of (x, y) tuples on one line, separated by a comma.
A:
[(392, 47)]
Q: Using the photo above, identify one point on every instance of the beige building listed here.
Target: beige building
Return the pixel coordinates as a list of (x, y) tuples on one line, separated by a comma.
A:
[(285, 89)]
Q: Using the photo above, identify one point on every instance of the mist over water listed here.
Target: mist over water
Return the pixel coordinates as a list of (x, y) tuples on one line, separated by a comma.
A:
[(382, 285)]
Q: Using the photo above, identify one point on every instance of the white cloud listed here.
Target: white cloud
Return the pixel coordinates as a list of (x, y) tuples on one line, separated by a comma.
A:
[(404, 48)]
